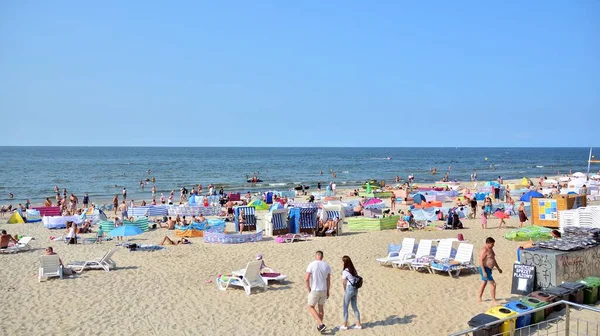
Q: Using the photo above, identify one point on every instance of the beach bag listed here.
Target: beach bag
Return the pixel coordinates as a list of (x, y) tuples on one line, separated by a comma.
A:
[(358, 282)]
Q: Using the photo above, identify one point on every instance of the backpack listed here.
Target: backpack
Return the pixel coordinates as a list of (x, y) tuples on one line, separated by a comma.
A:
[(358, 282)]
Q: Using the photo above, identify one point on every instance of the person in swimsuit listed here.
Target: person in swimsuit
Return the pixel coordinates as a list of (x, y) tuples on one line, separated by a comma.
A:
[(116, 203), (123, 209), (5, 239), (169, 241), (522, 216), (48, 202), (487, 260), (241, 220)]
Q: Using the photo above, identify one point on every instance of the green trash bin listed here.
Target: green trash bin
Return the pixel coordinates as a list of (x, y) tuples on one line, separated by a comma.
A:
[(539, 315), (590, 293)]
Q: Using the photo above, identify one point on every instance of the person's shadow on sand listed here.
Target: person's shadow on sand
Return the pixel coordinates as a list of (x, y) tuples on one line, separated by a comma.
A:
[(390, 320)]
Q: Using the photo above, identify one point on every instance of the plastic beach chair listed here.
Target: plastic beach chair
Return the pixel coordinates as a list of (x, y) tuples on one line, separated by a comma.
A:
[(105, 263), (443, 251), (250, 279), (423, 249), (20, 246), (406, 251), (463, 260), (50, 267)]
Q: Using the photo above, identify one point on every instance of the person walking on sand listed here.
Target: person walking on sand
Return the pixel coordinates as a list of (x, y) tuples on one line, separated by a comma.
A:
[(318, 280), (116, 203), (483, 218), (487, 260), (522, 216), (349, 280)]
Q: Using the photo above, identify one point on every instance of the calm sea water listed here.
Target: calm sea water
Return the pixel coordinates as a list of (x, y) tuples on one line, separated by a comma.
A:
[(32, 172)]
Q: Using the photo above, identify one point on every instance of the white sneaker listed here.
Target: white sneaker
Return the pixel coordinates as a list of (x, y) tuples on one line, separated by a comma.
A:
[(343, 328), (357, 327)]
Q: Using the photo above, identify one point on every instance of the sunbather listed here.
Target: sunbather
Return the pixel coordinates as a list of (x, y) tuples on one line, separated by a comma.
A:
[(262, 265), (66, 270), (169, 241), (329, 226), (241, 220), (5, 239)]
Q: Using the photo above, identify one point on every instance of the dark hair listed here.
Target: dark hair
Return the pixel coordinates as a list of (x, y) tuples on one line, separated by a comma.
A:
[(348, 265), (556, 233), (489, 240), (320, 254), (3, 231)]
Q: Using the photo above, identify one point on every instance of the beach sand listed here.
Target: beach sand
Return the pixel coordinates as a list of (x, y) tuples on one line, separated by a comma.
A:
[(173, 291)]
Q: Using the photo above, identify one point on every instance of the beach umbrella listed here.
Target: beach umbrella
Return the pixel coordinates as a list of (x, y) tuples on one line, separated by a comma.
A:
[(372, 201), (577, 183), (529, 195), (564, 179), (125, 231), (596, 177), (375, 206), (418, 198), (579, 175), (550, 181)]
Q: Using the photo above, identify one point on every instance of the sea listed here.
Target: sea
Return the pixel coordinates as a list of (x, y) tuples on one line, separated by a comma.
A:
[(32, 172)]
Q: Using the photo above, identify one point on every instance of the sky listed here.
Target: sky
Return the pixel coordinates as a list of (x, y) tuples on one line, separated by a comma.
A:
[(300, 73)]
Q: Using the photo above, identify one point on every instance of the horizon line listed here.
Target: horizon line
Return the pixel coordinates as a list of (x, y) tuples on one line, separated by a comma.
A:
[(174, 146)]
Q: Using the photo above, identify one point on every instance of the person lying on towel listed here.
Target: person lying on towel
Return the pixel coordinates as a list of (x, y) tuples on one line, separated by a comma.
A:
[(168, 241)]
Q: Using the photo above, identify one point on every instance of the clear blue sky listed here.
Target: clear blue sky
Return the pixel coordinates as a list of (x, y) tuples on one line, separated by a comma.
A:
[(300, 73)]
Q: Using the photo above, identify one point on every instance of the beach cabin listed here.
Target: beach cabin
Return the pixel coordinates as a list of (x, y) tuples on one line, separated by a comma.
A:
[(303, 220), (545, 211), (249, 218), (278, 225)]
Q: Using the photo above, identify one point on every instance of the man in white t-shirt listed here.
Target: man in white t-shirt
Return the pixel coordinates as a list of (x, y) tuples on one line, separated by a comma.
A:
[(317, 278), (333, 187)]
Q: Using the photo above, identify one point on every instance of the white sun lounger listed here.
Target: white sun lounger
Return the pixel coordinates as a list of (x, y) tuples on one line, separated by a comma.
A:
[(423, 249), (250, 279), (20, 246), (462, 261), (406, 251), (50, 267), (266, 273), (105, 263), (443, 251)]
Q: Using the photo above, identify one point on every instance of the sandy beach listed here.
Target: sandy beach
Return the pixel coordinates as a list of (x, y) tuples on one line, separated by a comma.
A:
[(173, 291)]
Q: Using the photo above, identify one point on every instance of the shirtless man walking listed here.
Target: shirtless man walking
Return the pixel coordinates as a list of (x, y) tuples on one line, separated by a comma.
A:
[(487, 260)]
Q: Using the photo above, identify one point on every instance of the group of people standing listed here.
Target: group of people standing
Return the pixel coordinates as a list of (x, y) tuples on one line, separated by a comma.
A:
[(318, 284)]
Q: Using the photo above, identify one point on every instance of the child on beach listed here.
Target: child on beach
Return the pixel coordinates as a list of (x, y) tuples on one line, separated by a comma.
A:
[(99, 235), (483, 218)]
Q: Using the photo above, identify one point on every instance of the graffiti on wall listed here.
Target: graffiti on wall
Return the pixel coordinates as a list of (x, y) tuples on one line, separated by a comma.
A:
[(577, 265), (544, 267), (553, 269)]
